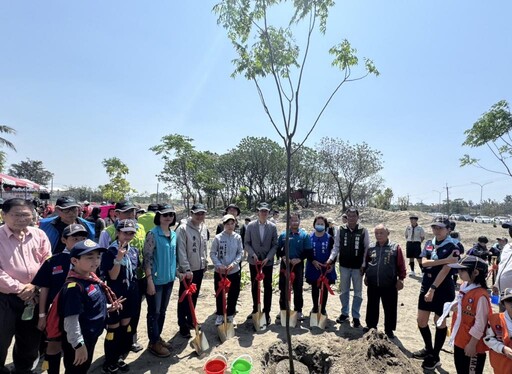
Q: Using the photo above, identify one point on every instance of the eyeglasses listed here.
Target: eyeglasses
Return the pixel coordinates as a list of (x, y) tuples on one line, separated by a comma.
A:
[(167, 215)]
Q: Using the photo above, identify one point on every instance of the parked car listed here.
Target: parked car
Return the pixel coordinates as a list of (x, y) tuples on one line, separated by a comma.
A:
[(500, 220), (455, 217), (482, 219), (467, 218)]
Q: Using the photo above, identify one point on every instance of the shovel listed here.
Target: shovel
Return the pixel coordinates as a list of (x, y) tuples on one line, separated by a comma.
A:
[(199, 343), (319, 319), (293, 313), (226, 330), (258, 319)]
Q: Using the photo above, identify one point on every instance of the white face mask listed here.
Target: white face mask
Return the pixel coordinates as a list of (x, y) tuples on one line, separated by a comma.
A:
[(319, 228)]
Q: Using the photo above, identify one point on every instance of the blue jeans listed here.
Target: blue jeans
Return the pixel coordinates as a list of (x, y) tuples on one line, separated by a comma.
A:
[(157, 307), (347, 275)]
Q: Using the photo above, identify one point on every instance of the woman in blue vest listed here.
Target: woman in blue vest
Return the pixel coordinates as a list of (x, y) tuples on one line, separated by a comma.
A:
[(160, 267), (323, 244)]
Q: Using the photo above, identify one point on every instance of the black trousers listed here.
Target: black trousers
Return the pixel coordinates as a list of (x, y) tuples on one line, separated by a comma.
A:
[(468, 365), (69, 356), (184, 313), (26, 335), (234, 291), (298, 282), (134, 322), (315, 297), (267, 286), (389, 297)]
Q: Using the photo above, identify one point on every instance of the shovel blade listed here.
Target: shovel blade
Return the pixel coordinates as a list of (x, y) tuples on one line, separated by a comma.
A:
[(222, 331), (314, 320), (200, 343), (293, 318), (259, 321), (323, 321)]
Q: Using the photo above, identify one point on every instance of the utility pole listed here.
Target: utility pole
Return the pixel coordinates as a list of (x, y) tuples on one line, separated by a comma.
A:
[(447, 200), (481, 192)]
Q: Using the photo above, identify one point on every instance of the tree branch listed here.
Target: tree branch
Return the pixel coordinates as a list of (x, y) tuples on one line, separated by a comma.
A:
[(267, 111)]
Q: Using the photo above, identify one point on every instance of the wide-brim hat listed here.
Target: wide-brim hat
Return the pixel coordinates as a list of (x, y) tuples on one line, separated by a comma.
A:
[(234, 206), (470, 262)]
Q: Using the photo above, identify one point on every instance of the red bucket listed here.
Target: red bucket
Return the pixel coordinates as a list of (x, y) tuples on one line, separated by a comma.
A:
[(216, 365)]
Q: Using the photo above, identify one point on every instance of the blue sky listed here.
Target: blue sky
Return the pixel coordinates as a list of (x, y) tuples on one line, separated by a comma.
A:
[(82, 81)]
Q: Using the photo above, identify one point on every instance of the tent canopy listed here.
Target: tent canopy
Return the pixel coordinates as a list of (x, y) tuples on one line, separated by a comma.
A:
[(18, 182)]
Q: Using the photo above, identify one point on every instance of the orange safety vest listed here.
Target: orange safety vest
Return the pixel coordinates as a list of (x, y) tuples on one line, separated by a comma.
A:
[(499, 362), (468, 309)]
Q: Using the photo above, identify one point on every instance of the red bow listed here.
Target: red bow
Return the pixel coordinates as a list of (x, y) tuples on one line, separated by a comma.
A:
[(224, 285), (190, 289), (323, 280)]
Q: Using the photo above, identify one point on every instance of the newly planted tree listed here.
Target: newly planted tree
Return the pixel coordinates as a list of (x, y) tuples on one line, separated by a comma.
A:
[(118, 187), (268, 50)]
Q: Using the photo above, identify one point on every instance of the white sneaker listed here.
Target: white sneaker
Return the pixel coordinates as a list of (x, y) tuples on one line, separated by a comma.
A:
[(219, 320), (231, 319), (412, 273)]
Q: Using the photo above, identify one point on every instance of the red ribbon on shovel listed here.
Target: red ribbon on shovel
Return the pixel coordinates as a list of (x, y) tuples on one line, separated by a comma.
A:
[(190, 289)]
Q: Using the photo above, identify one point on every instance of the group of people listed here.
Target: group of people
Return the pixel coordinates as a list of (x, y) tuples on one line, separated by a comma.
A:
[(94, 281)]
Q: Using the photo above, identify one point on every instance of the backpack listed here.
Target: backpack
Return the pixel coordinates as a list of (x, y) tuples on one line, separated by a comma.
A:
[(54, 324)]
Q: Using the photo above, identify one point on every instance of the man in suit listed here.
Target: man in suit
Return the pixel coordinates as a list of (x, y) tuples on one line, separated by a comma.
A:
[(261, 245)]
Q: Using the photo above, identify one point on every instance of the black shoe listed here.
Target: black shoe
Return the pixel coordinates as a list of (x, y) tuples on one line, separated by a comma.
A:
[(185, 332), (269, 320), (421, 354), (123, 366), (110, 369), (136, 347), (342, 318), (390, 334), (366, 329), (430, 362), (356, 323), (314, 310)]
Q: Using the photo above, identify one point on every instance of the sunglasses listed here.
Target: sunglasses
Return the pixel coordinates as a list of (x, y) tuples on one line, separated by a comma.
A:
[(167, 215)]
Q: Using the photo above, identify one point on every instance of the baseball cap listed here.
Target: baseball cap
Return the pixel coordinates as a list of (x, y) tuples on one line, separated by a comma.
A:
[(73, 229), (502, 238), (166, 208), (84, 247), (506, 294), (153, 207), (413, 216), (196, 208), (227, 217), (470, 262), (124, 206), (264, 206), (65, 202), (234, 206), (441, 222), (126, 225)]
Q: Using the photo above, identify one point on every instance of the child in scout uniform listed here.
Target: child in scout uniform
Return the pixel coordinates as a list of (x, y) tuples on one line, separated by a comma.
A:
[(118, 265), (50, 279), (471, 312), (499, 336), (84, 303), (226, 254)]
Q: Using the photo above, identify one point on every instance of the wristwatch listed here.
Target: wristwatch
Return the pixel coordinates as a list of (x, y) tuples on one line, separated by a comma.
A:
[(434, 287), (79, 345)]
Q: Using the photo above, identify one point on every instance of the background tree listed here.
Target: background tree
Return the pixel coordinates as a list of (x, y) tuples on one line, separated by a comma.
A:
[(119, 187), (274, 53), (32, 170), (5, 143), (382, 199), (493, 131), (82, 193), (351, 166), (180, 167)]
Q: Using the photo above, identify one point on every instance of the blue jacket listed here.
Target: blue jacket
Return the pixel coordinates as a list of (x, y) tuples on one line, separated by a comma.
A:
[(48, 226)]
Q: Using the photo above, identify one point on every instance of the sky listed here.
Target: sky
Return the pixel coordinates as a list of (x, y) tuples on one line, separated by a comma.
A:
[(82, 81)]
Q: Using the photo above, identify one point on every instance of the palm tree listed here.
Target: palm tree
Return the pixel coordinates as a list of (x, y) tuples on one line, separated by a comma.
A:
[(4, 142)]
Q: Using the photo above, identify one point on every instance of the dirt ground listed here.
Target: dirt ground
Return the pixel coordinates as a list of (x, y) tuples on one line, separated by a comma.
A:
[(338, 349)]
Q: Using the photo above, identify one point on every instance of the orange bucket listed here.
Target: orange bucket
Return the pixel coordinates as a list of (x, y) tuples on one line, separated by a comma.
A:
[(216, 365)]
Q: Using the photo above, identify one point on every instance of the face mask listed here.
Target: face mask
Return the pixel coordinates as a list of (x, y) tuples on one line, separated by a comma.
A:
[(319, 228)]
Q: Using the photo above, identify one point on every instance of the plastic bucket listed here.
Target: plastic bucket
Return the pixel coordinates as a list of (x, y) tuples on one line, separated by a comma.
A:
[(495, 299), (216, 365), (242, 365)]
